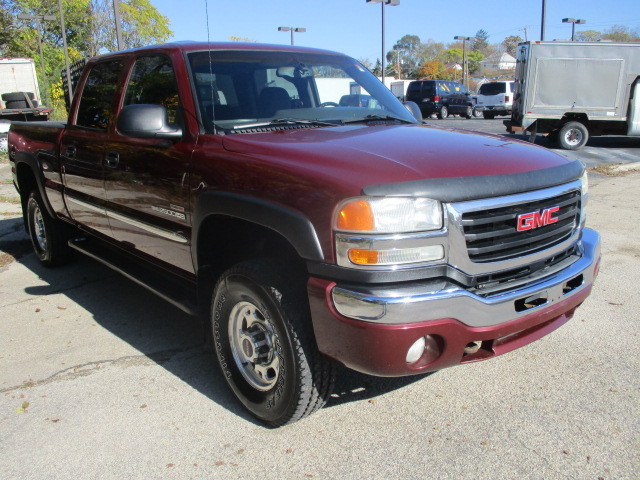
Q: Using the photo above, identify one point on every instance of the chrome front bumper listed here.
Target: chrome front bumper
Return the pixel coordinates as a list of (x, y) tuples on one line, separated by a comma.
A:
[(434, 300)]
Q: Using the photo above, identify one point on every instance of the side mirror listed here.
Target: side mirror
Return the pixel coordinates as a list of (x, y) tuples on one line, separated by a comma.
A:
[(147, 121), (414, 109)]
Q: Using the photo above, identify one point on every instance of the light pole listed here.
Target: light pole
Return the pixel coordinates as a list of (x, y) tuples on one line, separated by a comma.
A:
[(544, 16), (291, 29), (464, 57), (38, 19), (573, 22), (383, 3)]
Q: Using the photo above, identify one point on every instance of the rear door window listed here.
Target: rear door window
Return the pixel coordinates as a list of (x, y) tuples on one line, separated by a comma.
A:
[(492, 88)]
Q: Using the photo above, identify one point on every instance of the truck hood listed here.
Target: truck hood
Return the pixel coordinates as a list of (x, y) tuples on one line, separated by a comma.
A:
[(446, 164)]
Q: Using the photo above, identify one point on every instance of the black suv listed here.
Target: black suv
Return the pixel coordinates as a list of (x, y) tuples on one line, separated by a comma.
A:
[(441, 97)]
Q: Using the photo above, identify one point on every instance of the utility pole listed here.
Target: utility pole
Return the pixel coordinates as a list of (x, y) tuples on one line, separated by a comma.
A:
[(116, 13)]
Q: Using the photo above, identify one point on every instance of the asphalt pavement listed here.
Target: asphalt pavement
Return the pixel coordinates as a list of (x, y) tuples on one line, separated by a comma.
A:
[(100, 379)]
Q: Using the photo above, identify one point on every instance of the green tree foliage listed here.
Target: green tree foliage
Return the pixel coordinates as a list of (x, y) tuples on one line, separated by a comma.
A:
[(588, 36), (404, 57), (89, 29), (510, 44)]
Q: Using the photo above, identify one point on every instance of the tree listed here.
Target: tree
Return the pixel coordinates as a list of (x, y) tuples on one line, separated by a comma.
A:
[(89, 30), (620, 33), (510, 44), (142, 25), (588, 36), (481, 43), (436, 70), (404, 57)]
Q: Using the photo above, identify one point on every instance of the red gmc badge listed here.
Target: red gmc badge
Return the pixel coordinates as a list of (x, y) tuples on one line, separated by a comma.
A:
[(529, 221)]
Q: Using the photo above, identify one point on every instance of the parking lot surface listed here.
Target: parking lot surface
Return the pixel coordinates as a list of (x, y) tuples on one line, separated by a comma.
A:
[(100, 379)]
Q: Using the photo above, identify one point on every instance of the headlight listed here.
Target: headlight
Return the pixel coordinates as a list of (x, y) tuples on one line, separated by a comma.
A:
[(388, 215), (388, 232), (585, 183)]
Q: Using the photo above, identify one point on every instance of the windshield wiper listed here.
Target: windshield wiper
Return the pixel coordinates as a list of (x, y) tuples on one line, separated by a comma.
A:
[(284, 121), (376, 117)]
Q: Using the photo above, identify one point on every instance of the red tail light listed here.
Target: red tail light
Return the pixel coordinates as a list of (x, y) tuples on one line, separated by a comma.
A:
[(506, 98), (435, 98)]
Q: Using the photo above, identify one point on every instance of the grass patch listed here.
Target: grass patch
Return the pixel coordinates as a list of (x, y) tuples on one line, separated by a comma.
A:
[(4, 157), (10, 199)]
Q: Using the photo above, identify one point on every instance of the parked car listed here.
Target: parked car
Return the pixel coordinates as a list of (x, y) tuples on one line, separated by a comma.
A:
[(496, 98), (441, 97)]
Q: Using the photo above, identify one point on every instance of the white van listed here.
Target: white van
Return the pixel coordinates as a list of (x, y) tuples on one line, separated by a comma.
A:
[(496, 98)]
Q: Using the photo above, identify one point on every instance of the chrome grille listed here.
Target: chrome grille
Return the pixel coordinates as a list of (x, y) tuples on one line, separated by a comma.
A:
[(491, 235)]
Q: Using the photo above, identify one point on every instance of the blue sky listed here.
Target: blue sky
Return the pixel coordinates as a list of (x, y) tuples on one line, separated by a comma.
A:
[(354, 27)]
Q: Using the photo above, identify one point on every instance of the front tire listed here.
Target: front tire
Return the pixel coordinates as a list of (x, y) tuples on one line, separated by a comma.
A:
[(264, 343), (48, 236), (573, 135), (468, 113)]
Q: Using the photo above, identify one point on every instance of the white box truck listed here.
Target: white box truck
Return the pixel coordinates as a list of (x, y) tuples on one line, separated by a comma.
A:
[(19, 92), (574, 90)]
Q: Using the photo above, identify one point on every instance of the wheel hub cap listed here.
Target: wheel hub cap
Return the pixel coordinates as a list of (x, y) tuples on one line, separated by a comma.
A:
[(253, 344)]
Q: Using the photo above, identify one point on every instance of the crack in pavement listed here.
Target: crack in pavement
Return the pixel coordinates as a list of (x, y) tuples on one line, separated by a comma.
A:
[(89, 368)]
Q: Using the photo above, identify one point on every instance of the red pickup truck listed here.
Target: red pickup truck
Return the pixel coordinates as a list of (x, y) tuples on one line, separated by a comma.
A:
[(307, 228)]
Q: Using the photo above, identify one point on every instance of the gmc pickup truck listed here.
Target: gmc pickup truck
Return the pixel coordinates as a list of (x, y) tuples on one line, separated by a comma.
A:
[(307, 229)]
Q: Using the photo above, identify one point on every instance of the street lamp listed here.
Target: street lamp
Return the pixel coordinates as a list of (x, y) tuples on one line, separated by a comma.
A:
[(291, 29), (383, 3), (464, 57), (573, 22), (38, 19)]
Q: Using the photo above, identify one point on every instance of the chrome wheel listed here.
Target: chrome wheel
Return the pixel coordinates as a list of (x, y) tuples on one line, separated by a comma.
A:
[(573, 136), (39, 229), (254, 346)]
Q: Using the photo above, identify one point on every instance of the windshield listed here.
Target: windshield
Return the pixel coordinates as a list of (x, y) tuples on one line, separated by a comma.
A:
[(243, 89)]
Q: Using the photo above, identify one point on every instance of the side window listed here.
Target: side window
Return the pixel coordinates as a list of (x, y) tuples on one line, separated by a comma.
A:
[(95, 110), (153, 82)]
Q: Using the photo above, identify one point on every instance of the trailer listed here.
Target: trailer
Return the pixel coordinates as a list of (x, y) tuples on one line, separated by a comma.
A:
[(19, 91), (574, 90)]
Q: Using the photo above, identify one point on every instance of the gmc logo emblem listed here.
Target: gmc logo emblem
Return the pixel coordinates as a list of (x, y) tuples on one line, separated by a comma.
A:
[(529, 221)]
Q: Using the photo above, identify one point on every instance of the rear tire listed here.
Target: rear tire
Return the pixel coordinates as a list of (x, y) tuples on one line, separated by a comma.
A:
[(443, 112), (49, 236), (477, 112), (573, 135), (264, 343)]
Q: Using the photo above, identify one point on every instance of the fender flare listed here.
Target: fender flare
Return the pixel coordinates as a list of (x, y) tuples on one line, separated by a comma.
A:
[(292, 225), (34, 165)]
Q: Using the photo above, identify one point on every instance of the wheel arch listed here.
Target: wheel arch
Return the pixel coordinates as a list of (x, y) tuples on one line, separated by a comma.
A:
[(29, 177), (249, 227)]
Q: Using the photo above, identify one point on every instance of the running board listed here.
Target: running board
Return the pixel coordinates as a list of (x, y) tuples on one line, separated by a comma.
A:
[(167, 286)]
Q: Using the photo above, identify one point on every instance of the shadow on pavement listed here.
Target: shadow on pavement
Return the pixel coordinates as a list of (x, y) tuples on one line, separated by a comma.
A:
[(158, 330)]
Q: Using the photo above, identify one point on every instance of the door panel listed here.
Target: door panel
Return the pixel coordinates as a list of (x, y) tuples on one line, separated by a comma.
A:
[(82, 147), (147, 180)]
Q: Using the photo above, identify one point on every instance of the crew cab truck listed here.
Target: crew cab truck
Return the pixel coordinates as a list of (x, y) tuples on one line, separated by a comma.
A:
[(574, 90), (306, 233)]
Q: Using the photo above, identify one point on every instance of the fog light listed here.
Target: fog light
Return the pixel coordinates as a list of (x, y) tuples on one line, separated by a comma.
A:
[(416, 350)]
